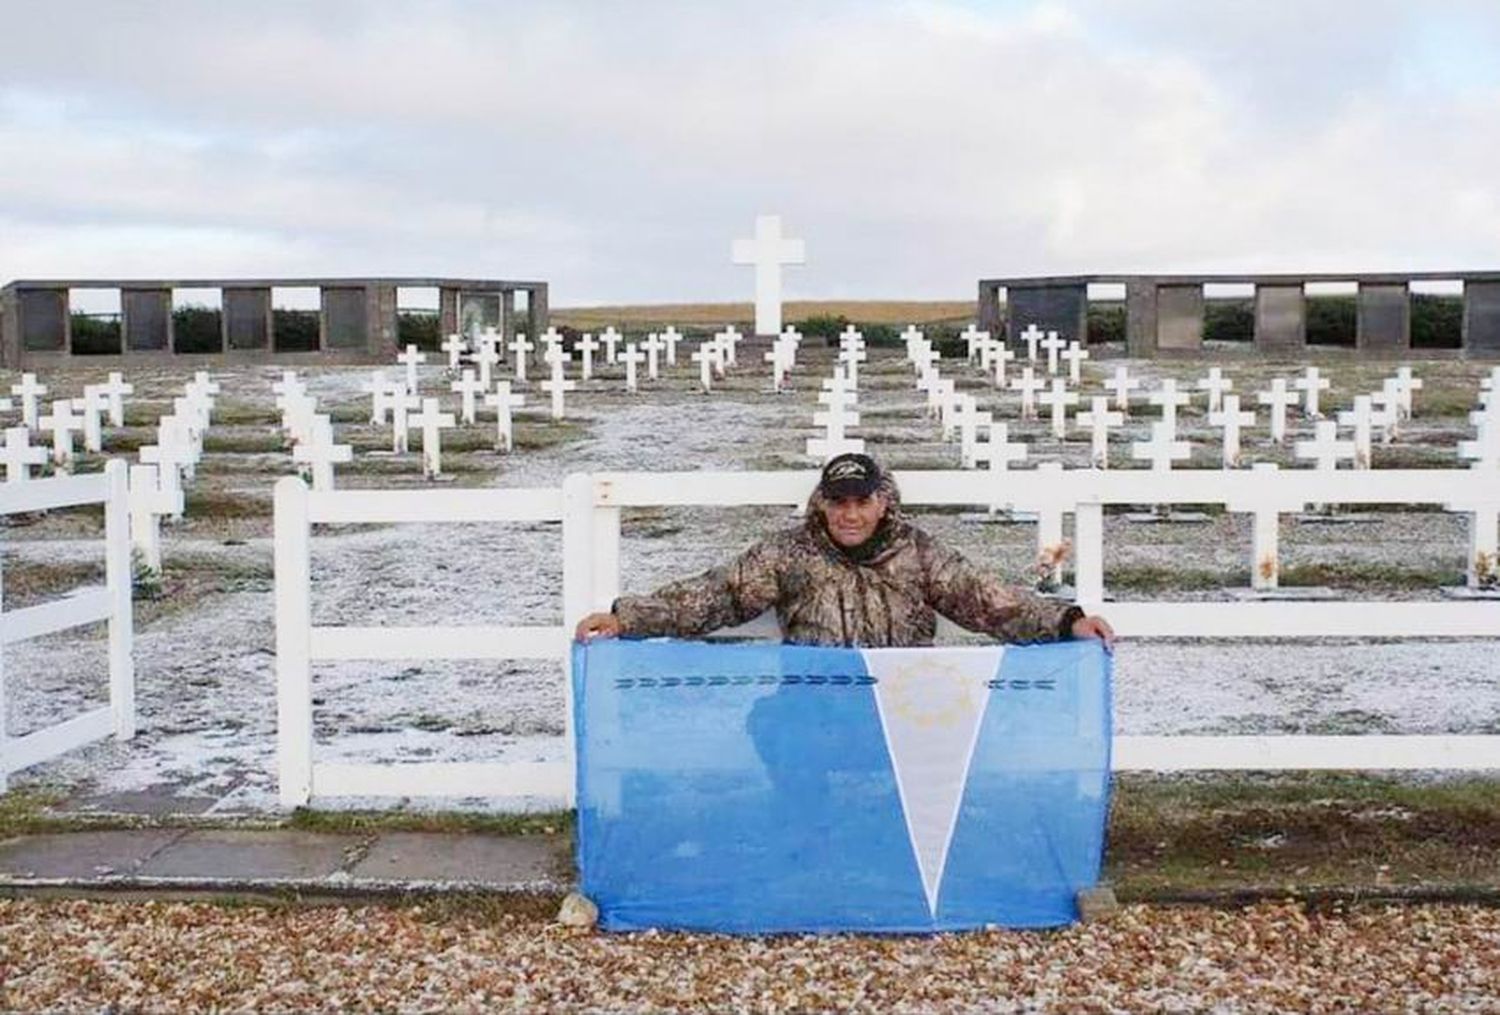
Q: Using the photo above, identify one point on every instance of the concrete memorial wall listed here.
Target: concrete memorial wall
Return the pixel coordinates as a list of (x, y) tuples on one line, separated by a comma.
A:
[(1383, 317), (1482, 317), (1280, 318), (146, 319)]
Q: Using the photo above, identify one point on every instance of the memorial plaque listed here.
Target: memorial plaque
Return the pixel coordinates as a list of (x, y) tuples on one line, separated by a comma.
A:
[(989, 308), (1280, 318), (1140, 317), (1179, 317), (1060, 308), (148, 319), (507, 313), (247, 318), (1482, 318), (1383, 321), (478, 311), (44, 319), (345, 318)]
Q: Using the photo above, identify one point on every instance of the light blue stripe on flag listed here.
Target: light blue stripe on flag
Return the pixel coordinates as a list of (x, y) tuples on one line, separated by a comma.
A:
[(757, 788)]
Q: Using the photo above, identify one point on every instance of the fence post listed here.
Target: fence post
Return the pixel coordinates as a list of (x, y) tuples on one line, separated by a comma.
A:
[(577, 599), (1484, 548), (292, 533), (118, 579), (1088, 549)]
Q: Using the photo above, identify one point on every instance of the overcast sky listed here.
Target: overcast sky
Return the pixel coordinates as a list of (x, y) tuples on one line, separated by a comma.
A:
[(615, 149)]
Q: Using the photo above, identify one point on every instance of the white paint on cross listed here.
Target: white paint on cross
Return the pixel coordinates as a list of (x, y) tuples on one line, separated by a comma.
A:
[(1122, 384), (632, 358), (970, 422), (587, 346), (1310, 383), (149, 499), (973, 339), (1279, 398), (432, 420), (1053, 344), (61, 422), (1229, 416), (172, 454), (1410, 384), (402, 405), (706, 355), (1031, 336), (1098, 417), (1169, 398), (1325, 449), (1362, 418), (997, 452), (115, 389), (502, 400), (1058, 398), (519, 346), (611, 339), (410, 359), (455, 346), (19, 454), (1075, 354), (768, 251), (671, 338), (91, 408), (556, 385), (29, 391), (486, 358), (551, 343), (653, 345), (319, 453), (727, 340), (779, 356), (1028, 384), (468, 387), (1162, 449), (999, 356), (1217, 385), (377, 387), (1484, 451)]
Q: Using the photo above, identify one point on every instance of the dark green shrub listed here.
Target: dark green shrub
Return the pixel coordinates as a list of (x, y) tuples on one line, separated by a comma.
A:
[(945, 340), (1231, 320), (197, 329), (95, 335), (294, 330), (881, 335), (1330, 320), (418, 328), (1106, 322), (824, 326), (1437, 322)]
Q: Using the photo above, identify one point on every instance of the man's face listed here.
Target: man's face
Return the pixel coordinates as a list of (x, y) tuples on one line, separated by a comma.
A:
[(852, 520)]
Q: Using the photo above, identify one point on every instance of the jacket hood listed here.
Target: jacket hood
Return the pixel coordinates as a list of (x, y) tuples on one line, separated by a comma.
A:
[(888, 535)]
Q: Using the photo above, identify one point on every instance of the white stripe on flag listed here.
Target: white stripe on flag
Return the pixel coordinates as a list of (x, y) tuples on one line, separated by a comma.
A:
[(931, 702)]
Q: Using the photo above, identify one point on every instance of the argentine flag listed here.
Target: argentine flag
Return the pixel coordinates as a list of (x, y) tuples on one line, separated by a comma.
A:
[(763, 787)]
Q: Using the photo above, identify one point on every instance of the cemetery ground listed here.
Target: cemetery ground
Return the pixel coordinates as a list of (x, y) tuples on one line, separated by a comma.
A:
[(204, 755)]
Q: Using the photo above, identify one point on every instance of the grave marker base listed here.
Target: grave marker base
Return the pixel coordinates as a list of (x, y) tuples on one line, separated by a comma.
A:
[(999, 517), (1167, 517), (1299, 593), (1465, 593)]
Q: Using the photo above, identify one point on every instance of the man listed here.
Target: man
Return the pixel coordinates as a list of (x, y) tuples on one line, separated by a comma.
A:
[(856, 572)]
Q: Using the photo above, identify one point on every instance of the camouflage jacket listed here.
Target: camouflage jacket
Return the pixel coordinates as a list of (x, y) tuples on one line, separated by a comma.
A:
[(824, 596)]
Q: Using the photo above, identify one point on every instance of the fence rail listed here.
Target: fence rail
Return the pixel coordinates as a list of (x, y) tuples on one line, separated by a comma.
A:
[(87, 605), (590, 506)]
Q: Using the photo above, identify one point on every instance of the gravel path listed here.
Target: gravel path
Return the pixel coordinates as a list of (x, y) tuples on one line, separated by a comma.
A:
[(1274, 957)]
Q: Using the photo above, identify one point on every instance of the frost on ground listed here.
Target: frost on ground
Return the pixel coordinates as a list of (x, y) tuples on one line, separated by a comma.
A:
[(205, 659)]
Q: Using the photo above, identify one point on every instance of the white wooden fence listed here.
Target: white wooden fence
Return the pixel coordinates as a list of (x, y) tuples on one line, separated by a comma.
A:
[(86, 605), (590, 505)]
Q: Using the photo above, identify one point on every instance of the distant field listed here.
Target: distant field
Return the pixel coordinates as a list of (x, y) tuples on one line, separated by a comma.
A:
[(897, 312)]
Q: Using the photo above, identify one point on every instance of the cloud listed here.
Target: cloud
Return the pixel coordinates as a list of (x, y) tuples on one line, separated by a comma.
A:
[(615, 150)]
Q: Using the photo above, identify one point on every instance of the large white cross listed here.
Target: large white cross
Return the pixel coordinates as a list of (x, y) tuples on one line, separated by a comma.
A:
[(520, 347), (671, 338), (632, 358), (1099, 418), (469, 387), (1031, 336), (1028, 384), (1216, 384), (19, 454), (409, 359), (503, 401), (1362, 419), (148, 499), (1310, 383), (768, 251), (115, 389), (432, 419), (1278, 398), (1229, 416), (319, 452), (555, 386), (1325, 449), (1075, 354), (1058, 399), (653, 345), (1122, 384), (28, 391), (1162, 449)]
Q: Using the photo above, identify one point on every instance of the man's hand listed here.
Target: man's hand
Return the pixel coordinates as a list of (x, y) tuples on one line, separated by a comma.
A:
[(606, 625), (1095, 627)]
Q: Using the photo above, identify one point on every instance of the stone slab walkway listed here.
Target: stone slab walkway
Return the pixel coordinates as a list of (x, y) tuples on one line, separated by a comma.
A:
[(227, 860)]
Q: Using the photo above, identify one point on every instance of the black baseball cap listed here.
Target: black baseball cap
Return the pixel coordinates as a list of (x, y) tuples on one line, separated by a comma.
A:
[(849, 475)]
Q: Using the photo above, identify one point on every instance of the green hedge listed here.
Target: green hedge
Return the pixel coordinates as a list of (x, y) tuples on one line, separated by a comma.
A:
[(294, 330), (197, 329), (95, 335), (419, 329)]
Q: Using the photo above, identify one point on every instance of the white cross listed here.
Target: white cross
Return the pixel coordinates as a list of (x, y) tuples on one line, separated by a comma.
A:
[(62, 423), (432, 419), (1278, 398), (851, 358), (671, 338), (385, 400), (115, 389), (455, 346), (556, 355), (19, 455), (555, 386), (1054, 344), (92, 405), (777, 357), (409, 359), (1058, 399), (520, 347), (1325, 449), (1310, 384), (705, 356), (587, 346), (632, 358), (1121, 384), (1388, 398), (1229, 416), (1031, 336), (924, 357), (1409, 386), (611, 338), (1075, 354), (913, 339), (997, 452), (487, 358), (1169, 398), (503, 401), (29, 391), (469, 387), (401, 405), (376, 387), (1099, 418), (970, 420), (289, 383), (172, 454), (1485, 448), (768, 251), (940, 395), (297, 408), (999, 356), (1162, 449), (973, 337), (1216, 384), (851, 338), (551, 341), (653, 345), (149, 499), (319, 452), (838, 392), (1362, 418), (1028, 384), (728, 340)]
